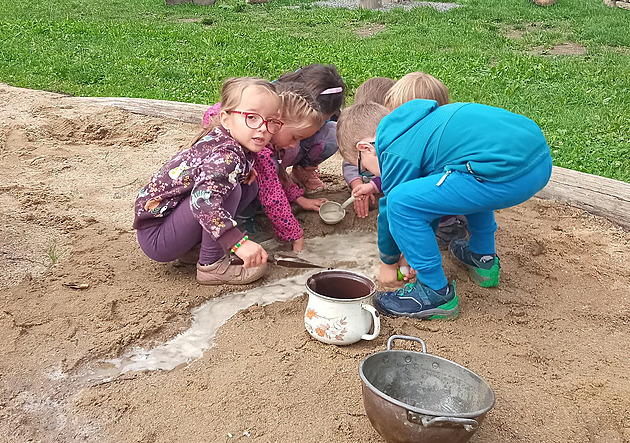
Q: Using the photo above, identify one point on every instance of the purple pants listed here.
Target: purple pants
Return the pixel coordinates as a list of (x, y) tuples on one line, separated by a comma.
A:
[(180, 231)]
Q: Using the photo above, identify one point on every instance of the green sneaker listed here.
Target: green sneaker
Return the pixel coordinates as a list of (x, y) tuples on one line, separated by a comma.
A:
[(484, 270), (417, 300)]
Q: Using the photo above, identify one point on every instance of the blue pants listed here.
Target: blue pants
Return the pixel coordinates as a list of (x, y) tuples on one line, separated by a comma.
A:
[(413, 205)]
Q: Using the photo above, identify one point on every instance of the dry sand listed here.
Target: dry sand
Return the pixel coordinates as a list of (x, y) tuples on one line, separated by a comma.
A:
[(552, 340)]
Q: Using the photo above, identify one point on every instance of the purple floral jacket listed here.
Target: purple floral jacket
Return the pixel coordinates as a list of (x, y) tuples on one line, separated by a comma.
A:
[(207, 172)]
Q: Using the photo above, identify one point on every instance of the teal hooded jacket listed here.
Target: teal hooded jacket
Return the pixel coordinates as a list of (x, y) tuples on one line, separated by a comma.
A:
[(420, 139)]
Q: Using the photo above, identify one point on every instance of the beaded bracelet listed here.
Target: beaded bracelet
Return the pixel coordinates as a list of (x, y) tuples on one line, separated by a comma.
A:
[(238, 244)]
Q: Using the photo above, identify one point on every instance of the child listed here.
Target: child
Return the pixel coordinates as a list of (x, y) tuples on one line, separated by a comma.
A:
[(195, 196), (301, 117), (460, 158), (326, 85), (372, 90), (416, 85), (422, 85), (411, 86)]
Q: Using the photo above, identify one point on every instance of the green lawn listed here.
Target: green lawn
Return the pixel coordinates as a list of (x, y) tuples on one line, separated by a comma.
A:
[(491, 51)]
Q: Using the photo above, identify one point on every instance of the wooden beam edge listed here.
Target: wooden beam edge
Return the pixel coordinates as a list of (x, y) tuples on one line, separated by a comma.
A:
[(601, 196)]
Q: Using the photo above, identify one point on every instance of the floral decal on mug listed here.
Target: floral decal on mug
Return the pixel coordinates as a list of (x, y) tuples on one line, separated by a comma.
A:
[(329, 328)]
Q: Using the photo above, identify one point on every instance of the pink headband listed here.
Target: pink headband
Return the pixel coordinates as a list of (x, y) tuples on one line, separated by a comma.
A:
[(331, 91)]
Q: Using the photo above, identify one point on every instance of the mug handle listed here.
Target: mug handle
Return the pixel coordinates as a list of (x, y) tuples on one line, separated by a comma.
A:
[(375, 318)]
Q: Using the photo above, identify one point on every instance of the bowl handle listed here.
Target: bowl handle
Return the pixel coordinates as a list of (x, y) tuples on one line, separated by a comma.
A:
[(376, 319), (406, 337), (469, 424)]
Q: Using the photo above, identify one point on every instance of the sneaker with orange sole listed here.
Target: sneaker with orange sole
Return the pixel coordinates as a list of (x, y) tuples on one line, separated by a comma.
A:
[(223, 272)]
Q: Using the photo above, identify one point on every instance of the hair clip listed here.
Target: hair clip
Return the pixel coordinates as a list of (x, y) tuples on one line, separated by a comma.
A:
[(331, 91)]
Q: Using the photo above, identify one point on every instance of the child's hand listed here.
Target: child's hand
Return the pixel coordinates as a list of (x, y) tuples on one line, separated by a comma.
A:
[(364, 195), (389, 275), (252, 254), (363, 189), (310, 204), (362, 205), (250, 177), (406, 270), (298, 245)]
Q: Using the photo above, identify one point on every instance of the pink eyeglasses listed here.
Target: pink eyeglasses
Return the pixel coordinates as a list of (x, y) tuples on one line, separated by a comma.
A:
[(255, 121)]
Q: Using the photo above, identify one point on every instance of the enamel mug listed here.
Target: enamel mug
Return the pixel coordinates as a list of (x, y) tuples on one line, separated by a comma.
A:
[(339, 309)]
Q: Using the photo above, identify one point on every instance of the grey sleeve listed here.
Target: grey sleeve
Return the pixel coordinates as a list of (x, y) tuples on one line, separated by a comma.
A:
[(350, 172)]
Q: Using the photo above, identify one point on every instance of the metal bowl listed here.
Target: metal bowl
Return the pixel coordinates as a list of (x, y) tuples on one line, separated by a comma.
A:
[(417, 397)]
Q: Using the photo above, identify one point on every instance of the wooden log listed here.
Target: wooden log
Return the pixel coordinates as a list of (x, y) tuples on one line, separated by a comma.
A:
[(186, 112), (598, 195)]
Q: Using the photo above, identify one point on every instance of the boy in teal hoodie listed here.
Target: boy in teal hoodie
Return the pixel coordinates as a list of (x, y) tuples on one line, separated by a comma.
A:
[(460, 158)]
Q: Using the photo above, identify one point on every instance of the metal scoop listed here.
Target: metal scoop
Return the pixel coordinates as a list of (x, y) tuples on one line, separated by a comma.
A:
[(332, 212), (279, 259)]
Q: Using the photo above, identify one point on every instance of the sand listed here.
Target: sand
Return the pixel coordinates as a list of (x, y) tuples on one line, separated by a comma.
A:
[(552, 340)]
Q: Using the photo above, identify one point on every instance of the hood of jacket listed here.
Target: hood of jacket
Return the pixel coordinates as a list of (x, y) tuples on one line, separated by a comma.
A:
[(490, 143), (401, 121)]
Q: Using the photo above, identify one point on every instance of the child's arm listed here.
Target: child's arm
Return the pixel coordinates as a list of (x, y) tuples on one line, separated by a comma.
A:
[(405, 272), (320, 145), (388, 249), (274, 200), (296, 194), (395, 171), (298, 245), (350, 173), (310, 204), (364, 192), (397, 273), (364, 195), (214, 185), (363, 189)]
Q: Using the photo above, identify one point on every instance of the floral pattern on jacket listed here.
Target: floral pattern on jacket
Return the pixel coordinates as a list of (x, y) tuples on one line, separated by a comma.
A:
[(207, 172)]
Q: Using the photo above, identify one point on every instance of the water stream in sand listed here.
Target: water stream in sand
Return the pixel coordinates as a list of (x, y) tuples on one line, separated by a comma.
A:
[(355, 251)]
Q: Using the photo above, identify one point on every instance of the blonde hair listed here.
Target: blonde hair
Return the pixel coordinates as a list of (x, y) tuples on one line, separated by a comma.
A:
[(232, 90), (373, 90), (356, 123), (231, 95), (416, 85), (298, 105), (300, 109)]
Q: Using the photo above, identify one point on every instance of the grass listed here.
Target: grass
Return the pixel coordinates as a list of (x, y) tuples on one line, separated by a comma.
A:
[(489, 51), (53, 254)]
